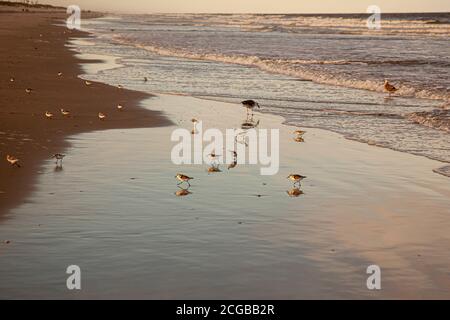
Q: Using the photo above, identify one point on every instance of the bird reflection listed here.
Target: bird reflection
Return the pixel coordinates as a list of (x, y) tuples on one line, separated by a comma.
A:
[(214, 168), (182, 192), (246, 125), (232, 165), (294, 192), (299, 135), (249, 124), (58, 168)]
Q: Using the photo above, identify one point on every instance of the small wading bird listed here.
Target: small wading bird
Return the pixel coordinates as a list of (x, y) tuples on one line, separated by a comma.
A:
[(119, 107), (101, 116), (183, 178), (214, 158), (119, 86), (389, 87), (65, 113), (48, 114), (145, 79), (299, 135), (296, 178), (11, 79), (28, 90), (59, 158), (13, 160), (194, 123), (59, 74), (250, 105)]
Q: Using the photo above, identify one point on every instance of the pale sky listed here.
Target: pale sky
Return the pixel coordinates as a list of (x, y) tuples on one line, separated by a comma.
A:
[(256, 6)]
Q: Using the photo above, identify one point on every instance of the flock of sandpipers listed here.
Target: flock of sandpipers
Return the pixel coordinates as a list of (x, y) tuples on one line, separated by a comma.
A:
[(14, 161), (214, 164), (250, 105)]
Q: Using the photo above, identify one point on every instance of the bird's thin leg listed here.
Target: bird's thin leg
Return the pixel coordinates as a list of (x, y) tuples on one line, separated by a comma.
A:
[(188, 183), (179, 183)]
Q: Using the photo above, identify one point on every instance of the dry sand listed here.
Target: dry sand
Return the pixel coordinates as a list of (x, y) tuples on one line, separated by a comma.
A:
[(33, 52)]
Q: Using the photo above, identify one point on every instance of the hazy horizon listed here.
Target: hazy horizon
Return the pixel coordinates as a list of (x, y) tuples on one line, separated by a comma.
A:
[(262, 6)]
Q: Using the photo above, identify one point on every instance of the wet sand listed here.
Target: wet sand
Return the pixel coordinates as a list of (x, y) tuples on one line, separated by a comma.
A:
[(237, 234), (33, 52)]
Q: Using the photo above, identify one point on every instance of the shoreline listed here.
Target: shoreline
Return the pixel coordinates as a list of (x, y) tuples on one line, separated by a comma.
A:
[(24, 130), (237, 233)]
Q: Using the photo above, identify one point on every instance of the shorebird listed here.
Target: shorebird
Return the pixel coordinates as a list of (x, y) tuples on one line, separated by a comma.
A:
[(65, 113), (48, 114), (28, 90), (119, 86), (59, 158), (119, 107), (183, 178), (88, 83), (213, 156), (145, 79), (250, 105), (13, 160), (101, 116), (299, 133), (194, 122), (59, 74), (11, 79), (297, 178), (389, 87)]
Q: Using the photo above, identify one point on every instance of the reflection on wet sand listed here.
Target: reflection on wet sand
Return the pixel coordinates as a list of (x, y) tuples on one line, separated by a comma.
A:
[(183, 192), (295, 192), (214, 168), (299, 135)]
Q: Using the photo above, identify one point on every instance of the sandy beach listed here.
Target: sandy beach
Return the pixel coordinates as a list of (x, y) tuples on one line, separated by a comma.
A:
[(33, 53), (115, 208)]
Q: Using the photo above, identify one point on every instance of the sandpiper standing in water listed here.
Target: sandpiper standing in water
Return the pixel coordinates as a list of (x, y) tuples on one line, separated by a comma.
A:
[(250, 105), (194, 123), (183, 178), (296, 178), (59, 158)]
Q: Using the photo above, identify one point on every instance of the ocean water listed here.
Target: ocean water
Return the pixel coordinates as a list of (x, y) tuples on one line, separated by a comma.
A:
[(324, 71)]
